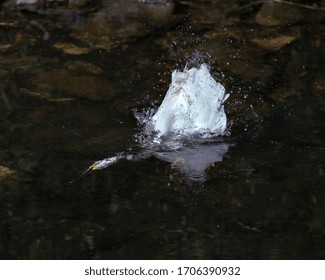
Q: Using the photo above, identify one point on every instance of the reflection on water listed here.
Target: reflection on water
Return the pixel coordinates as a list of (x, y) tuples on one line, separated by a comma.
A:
[(71, 76), (194, 160)]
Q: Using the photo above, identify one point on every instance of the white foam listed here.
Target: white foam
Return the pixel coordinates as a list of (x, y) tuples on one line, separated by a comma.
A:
[(193, 104)]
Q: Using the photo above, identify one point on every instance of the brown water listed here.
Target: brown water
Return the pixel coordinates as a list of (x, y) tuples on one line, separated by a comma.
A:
[(71, 74)]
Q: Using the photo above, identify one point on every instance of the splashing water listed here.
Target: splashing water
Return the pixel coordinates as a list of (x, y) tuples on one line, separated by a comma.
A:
[(183, 130), (192, 105)]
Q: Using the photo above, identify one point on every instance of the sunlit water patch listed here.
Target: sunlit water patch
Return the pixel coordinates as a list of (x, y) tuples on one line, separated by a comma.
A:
[(186, 130)]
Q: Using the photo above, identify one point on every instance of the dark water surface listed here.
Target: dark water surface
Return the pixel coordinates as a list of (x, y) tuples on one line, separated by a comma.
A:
[(72, 73)]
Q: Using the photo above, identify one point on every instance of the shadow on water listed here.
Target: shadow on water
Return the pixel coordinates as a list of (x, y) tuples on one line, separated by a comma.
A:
[(71, 76)]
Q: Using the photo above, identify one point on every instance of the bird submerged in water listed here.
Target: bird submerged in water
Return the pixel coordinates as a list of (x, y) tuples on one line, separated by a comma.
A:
[(193, 105)]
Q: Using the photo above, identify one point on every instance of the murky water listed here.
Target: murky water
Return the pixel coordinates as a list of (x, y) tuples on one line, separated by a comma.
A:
[(73, 72)]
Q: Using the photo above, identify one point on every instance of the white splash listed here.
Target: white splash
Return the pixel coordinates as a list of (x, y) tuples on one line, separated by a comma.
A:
[(192, 105), (191, 112)]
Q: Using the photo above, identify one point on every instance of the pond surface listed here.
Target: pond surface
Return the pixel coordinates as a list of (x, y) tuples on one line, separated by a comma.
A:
[(73, 72)]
